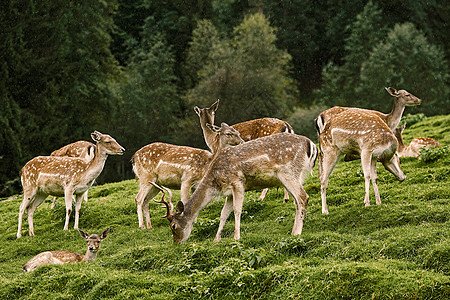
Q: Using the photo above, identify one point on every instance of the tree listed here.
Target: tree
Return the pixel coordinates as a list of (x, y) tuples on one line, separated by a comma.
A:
[(247, 73), (340, 82), (406, 60), (150, 104)]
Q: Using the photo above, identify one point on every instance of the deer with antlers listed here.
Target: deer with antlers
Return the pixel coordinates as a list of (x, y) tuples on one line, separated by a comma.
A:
[(367, 135), (416, 144), (282, 159), (63, 176), (64, 256), (81, 149), (249, 130), (177, 167)]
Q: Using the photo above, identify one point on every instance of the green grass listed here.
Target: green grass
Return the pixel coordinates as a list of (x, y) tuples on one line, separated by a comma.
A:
[(397, 250)]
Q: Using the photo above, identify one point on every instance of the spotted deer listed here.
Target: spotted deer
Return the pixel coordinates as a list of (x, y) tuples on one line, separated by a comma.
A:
[(356, 131), (282, 159), (249, 130), (63, 176), (63, 256), (402, 99), (81, 149), (177, 167), (414, 147)]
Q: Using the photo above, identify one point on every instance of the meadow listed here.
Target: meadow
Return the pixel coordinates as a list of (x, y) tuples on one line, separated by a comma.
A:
[(397, 250)]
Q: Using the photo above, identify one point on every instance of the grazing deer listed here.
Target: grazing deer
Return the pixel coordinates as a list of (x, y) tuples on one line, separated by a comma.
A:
[(64, 256), (282, 159), (413, 148), (249, 130), (81, 149), (63, 176), (177, 167), (356, 131), (402, 99)]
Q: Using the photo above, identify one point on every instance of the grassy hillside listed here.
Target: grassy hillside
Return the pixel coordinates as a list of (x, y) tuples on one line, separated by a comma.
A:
[(398, 250)]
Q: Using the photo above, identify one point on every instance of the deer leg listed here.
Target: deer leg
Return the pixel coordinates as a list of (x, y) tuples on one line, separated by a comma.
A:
[(38, 199), (68, 194), (226, 210), (263, 194), (185, 190), (52, 206), (300, 200), (286, 196), (238, 202), (140, 197), (23, 207), (326, 164), (85, 196), (366, 161), (78, 201), (150, 195), (374, 177)]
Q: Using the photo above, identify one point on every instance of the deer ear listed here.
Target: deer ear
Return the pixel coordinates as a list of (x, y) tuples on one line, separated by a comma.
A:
[(96, 136), (223, 124), (180, 208), (83, 234), (215, 105), (104, 233), (393, 92), (197, 110)]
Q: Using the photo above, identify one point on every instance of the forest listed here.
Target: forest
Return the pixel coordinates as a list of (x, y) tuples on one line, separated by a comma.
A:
[(136, 68)]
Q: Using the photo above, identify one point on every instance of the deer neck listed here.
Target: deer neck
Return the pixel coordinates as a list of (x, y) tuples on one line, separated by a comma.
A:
[(96, 165), (204, 193), (90, 256), (209, 135), (394, 117)]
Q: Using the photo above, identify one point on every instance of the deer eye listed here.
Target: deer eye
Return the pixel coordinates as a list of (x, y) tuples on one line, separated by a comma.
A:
[(174, 226)]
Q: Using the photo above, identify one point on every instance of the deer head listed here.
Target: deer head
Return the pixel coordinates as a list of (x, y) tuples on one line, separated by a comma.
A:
[(404, 97), (108, 143)]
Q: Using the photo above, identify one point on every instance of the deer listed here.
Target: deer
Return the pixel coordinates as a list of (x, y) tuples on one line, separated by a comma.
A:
[(416, 144), (63, 176), (282, 159), (402, 98), (249, 130), (63, 256), (83, 149), (363, 133), (177, 167)]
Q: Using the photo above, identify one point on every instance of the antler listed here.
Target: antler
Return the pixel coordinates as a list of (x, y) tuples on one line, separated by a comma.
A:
[(169, 205)]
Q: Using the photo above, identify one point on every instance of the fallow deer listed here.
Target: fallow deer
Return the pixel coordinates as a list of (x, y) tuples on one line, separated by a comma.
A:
[(282, 159), (177, 167), (63, 176), (81, 149), (249, 130), (64, 256), (356, 131), (402, 99), (414, 147)]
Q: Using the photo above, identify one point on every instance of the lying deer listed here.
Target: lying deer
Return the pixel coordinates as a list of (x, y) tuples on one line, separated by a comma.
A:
[(63, 176), (81, 149), (177, 167), (248, 130), (414, 147), (64, 256), (356, 131), (282, 159)]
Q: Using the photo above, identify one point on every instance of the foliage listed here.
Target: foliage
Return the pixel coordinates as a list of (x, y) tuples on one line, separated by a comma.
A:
[(302, 120), (433, 153), (408, 61), (397, 250), (246, 71)]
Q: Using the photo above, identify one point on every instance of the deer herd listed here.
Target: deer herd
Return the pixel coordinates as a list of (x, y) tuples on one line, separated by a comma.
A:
[(252, 155)]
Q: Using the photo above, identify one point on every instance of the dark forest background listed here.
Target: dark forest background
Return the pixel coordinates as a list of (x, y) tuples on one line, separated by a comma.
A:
[(135, 68)]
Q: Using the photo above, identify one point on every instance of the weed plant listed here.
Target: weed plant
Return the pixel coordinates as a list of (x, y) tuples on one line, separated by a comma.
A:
[(397, 250)]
